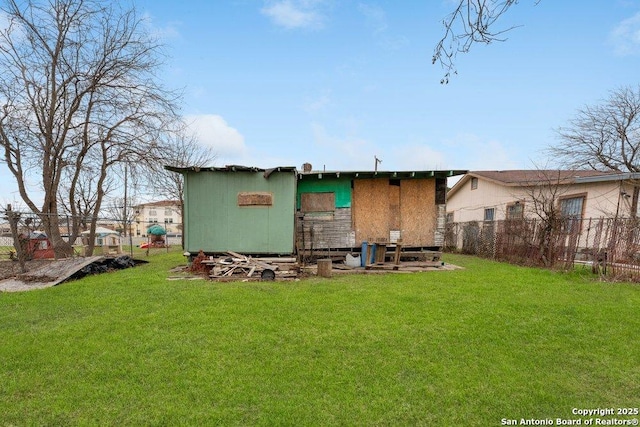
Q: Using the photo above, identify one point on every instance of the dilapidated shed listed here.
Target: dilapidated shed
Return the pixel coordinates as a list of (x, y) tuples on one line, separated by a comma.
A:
[(283, 211), (237, 208), (341, 210)]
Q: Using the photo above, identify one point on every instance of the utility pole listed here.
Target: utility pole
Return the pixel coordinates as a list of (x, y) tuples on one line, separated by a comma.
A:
[(125, 217)]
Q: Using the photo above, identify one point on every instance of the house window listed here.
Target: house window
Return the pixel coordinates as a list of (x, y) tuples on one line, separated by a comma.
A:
[(168, 212), (515, 211), (153, 220), (449, 216), (572, 207), (571, 210), (474, 183), (152, 212), (489, 214), (168, 220)]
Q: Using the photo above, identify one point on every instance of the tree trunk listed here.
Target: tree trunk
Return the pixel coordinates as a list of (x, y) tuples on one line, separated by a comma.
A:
[(51, 223), (21, 255)]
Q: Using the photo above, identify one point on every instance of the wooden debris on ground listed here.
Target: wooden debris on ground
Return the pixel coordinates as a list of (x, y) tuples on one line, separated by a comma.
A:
[(405, 266), (47, 273), (400, 260), (235, 266), (416, 261)]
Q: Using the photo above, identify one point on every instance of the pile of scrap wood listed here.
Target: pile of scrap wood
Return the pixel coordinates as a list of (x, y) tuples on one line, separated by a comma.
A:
[(400, 260), (234, 266), (405, 266), (420, 260)]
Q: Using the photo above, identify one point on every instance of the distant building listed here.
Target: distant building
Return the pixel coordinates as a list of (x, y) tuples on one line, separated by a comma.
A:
[(165, 213), (108, 239)]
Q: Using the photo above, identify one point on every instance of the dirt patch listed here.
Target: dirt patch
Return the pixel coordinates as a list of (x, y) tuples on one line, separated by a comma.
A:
[(38, 272), (9, 269)]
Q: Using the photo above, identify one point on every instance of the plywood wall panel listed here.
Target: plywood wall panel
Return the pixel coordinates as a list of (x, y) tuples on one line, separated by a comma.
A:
[(371, 209), (418, 212), (394, 207)]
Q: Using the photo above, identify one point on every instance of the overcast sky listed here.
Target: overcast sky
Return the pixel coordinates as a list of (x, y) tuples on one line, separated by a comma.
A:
[(337, 82)]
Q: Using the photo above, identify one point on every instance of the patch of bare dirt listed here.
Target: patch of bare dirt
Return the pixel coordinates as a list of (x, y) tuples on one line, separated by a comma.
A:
[(9, 269)]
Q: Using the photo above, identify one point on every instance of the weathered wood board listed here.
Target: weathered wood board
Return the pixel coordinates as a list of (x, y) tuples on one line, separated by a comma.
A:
[(47, 275)]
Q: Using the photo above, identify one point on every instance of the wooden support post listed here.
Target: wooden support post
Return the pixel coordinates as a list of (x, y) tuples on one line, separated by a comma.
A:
[(381, 253), (396, 255), (324, 267), (367, 259)]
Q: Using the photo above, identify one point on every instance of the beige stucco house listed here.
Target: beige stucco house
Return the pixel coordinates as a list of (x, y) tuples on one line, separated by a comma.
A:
[(498, 195), (166, 213)]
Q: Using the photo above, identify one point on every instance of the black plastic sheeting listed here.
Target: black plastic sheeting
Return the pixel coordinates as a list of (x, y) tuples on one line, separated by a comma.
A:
[(105, 265)]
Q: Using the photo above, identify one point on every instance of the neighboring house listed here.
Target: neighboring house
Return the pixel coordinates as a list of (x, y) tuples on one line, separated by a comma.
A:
[(280, 210), (510, 194), (166, 213)]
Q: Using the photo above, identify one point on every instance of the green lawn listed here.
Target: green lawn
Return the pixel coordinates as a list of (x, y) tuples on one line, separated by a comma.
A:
[(448, 348)]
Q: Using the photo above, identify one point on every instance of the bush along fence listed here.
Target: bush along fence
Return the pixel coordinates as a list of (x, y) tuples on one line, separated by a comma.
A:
[(611, 246)]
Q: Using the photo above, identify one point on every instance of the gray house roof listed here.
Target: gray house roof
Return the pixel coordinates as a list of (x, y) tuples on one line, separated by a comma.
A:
[(525, 177)]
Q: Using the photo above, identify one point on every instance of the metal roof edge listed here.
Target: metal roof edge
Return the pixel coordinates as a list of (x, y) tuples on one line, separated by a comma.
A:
[(383, 174), (624, 176), (320, 174), (229, 168)]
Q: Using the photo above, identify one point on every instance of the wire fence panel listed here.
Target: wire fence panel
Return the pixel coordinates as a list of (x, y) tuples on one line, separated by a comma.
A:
[(611, 246), (30, 235)]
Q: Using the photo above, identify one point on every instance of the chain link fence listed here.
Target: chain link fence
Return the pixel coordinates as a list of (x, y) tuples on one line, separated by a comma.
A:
[(113, 235), (610, 246)]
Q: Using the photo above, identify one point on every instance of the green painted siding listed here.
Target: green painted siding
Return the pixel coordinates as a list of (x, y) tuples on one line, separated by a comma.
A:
[(340, 186), (215, 223)]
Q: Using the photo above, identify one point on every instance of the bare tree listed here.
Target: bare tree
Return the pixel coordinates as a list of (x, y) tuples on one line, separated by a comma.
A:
[(471, 22), (83, 195), (183, 151), (605, 136), (542, 200), (120, 211), (18, 242), (78, 94), (542, 193), (118, 207)]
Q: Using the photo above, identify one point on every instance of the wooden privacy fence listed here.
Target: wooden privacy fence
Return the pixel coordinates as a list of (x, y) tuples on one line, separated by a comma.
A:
[(610, 245)]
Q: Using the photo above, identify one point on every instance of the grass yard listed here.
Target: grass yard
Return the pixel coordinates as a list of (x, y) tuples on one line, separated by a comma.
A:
[(452, 348)]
